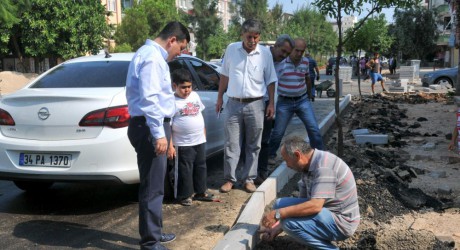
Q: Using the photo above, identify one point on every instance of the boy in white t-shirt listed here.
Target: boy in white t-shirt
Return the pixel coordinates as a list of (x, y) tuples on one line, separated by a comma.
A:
[(188, 141)]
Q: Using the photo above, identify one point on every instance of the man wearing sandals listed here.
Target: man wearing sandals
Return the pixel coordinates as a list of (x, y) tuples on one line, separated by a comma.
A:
[(327, 208)]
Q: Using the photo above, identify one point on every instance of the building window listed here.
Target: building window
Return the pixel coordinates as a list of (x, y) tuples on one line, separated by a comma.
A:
[(447, 23), (112, 5)]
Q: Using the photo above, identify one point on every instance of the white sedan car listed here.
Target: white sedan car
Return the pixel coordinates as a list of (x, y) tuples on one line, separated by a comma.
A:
[(70, 124)]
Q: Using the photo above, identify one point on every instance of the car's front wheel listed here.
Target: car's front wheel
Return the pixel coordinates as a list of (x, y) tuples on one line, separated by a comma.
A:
[(444, 81), (33, 186)]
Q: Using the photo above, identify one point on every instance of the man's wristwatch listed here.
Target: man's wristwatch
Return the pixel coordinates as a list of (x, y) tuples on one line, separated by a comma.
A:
[(277, 215)]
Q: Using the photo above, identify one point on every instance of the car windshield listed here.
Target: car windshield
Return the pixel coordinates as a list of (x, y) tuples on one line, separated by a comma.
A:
[(86, 75)]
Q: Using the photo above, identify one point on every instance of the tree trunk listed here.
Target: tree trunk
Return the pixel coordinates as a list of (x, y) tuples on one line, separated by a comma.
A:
[(359, 75), (338, 122), (18, 53)]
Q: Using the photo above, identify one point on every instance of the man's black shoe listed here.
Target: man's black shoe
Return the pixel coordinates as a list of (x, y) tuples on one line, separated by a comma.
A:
[(259, 180), (166, 238)]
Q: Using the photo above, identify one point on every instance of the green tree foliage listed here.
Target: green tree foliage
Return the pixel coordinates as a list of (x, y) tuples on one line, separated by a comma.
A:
[(62, 28), (309, 24), (415, 32), (207, 26), (335, 9), (124, 47), (372, 36), (134, 29), (217, 43), (10, 15), (53, 28), (145, 20), (257, 9), (274, 22)]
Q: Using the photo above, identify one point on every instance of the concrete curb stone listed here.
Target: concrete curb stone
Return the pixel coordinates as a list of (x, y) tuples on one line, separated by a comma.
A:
[(243, 235)]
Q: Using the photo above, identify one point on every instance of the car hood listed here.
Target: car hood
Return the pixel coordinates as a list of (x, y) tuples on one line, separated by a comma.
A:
[(64, 109)]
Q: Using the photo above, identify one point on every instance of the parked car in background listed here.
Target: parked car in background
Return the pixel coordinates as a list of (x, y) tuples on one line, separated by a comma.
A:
[(331, 64), (216, 66), (445, 77), (70, 124)]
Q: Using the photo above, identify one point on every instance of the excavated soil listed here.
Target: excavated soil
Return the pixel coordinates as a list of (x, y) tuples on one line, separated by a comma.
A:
[(409, 193)]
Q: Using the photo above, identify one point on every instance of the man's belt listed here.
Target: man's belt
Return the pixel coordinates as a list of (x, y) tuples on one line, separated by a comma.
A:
[(246, 100), (142, 119), (293, 98)]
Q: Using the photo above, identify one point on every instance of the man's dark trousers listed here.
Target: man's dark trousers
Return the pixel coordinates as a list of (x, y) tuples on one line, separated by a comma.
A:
[(262, 165), (152, 169)]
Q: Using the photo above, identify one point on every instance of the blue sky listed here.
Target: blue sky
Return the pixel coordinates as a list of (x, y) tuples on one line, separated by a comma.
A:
[(290, 6)]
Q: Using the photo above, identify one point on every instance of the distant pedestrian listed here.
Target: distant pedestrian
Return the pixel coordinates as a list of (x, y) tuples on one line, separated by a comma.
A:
[(362, 66), (374, 66), (392, 65), (314, 75), (188, 141), (151, 106), (247, 74)]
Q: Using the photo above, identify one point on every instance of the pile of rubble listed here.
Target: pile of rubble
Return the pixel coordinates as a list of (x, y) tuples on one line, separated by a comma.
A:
[(383, 176)]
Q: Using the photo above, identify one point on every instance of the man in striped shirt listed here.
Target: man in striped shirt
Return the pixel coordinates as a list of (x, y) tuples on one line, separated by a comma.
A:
[(327, 208), (293, 83)]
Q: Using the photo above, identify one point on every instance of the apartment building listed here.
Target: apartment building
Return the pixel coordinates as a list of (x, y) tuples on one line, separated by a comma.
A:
[(446, 54), (223, 10), (347, 22)]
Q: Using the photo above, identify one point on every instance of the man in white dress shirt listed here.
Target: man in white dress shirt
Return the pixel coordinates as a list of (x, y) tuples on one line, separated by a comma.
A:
[(247, 73)]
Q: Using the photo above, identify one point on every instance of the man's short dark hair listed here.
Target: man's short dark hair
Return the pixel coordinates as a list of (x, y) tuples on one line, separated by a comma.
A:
[(176, 29), (251, 25), (284, 38), (180, 76)]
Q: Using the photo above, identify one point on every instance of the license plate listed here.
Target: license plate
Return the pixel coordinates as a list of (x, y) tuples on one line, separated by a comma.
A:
[(45, 160)]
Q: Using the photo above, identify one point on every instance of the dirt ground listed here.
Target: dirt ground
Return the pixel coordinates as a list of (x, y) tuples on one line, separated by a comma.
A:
[(420, 210), (11, 81)]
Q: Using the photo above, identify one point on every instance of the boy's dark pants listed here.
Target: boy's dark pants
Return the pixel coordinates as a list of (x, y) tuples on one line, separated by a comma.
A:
[(192, 170)]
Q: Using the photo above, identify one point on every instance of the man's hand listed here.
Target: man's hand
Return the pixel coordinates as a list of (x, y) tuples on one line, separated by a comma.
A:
[(161, 146), (171, 152), (219, 104), (269, 219), (268, 234), (270, 111)]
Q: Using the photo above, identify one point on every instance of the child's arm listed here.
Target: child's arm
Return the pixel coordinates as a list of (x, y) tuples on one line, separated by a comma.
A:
[(454, 139), (171, 150)]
